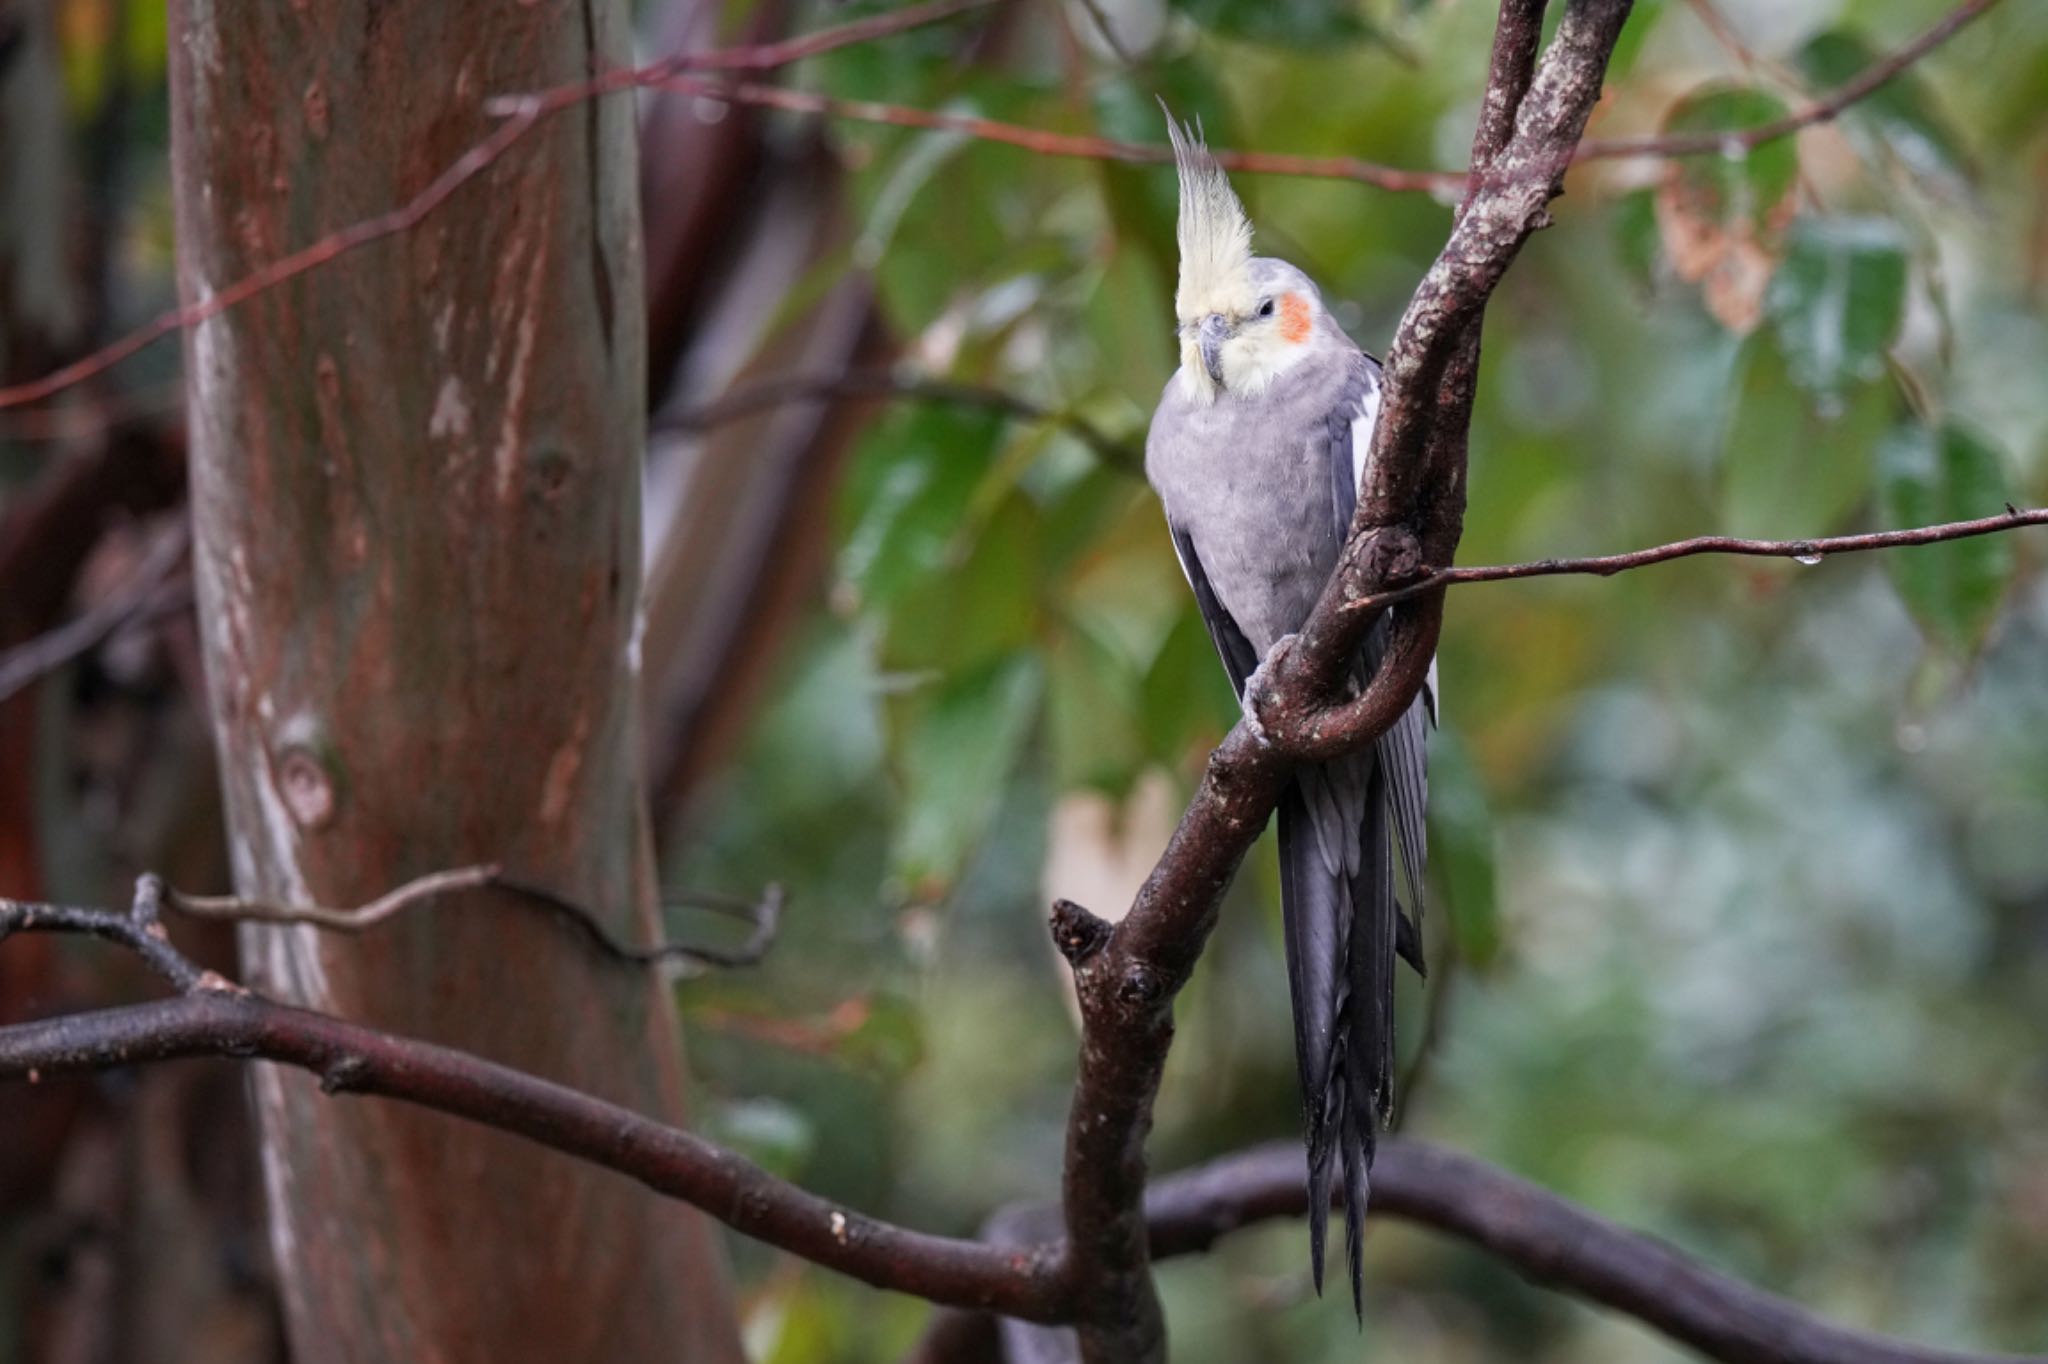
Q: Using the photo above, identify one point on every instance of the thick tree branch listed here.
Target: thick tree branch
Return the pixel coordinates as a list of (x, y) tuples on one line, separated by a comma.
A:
[(212, 1017), (1015, 1271), (1127, 976), (1548, 1238)]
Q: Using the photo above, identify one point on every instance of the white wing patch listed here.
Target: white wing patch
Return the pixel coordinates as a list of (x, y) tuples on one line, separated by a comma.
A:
[(1361, 435)]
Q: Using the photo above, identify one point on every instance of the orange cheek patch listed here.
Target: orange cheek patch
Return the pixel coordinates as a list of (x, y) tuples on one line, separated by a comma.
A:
[(1294, 318)]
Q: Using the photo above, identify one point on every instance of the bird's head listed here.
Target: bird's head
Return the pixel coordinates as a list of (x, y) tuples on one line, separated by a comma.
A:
[(1243, 320)]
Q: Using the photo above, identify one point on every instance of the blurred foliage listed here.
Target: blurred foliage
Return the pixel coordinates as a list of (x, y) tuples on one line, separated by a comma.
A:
[(1739, 925), (1741, 900)]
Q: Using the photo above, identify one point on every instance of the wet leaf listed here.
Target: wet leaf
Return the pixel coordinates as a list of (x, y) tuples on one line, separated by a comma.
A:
[(1092, 709), (961, 747), (772, 1134), (1461, 832), (1901, 111), (1722, 218), (1947, 474), (1796, 462), (1837, 301), (1286, 23)]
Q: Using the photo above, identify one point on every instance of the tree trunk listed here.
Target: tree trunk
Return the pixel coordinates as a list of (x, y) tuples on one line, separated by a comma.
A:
[(415, 479)]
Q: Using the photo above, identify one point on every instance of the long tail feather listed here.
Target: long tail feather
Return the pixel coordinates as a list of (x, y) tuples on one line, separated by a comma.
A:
[(1344, 929)]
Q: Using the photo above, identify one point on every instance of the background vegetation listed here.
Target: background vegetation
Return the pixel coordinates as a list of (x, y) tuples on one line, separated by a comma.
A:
[(1741, 918)]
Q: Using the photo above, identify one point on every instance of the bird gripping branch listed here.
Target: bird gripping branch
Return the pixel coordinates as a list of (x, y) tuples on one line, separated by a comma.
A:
[(1257, 451)]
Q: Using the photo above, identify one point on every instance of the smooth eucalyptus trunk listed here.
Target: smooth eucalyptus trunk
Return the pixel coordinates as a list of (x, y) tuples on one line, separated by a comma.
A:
[(415, 483)]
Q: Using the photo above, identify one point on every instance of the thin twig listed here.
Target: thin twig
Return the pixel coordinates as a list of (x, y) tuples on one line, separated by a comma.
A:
[(147, 594), (765, 916), (1100, 18), (522, 114), (1821, 110), (774, 391), (1805, 551), (1047, 143)]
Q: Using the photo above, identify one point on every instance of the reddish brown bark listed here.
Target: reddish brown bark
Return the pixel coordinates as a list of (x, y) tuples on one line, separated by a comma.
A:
[(415, 483)]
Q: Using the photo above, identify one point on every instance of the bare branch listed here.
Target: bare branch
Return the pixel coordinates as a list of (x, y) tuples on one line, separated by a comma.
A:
[(1822, 110), (668, 1160), (149, 593), (1126, 976), (1048, 143), (1014, 1272), (756, 397), (1547, 1237), (765, 916), (522, 114), (1804, 551)]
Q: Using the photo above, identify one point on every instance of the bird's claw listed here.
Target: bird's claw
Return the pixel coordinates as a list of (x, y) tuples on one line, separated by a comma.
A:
[(1255, 690)]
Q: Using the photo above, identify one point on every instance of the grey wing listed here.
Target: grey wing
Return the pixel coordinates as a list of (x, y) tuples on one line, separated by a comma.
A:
[(1400, 749), (1239, 658)]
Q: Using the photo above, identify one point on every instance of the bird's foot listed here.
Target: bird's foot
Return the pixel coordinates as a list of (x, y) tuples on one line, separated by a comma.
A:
[(1255, 686)]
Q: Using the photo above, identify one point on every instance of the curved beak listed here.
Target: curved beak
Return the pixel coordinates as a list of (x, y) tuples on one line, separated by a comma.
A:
[(1210, 336)]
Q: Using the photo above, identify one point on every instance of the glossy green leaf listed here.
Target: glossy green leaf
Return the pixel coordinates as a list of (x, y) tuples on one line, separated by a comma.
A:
[(1461, 839), (1186, 697), (1837, 300), (1286, 23), (1092, 710), (980, 601), (961, 747), (1901, 111), (1744, 184), (1949, 474), (1796, 462), (1633, 222), (889, 1039), (1721, 218), (772, 1134), (908, 492)]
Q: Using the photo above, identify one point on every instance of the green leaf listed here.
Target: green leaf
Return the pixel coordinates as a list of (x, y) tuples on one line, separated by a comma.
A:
[(1901, 111), (961, 748), (1092, 708), (1185, 696), (981, 600), (1951, 474), (1722, 218), (1285, 23), (1634, 225), (889, 1039), (1796, 462), (1461, 830), (1747, 184), (908, 493), (1838, 299), (772, 1134)]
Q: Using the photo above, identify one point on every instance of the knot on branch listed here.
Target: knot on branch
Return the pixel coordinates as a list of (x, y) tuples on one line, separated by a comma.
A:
[(1078, 934), (1140, 987), (1383, 558)]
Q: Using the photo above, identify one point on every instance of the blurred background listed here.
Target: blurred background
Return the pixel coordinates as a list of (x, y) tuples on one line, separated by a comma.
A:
[(1740, 919)]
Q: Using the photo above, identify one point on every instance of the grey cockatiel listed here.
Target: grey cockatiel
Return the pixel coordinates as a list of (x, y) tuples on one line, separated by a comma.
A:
[(1256, 451)]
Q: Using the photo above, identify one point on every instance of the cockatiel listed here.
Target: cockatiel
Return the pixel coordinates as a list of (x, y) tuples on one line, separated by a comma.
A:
[(1257, 451)]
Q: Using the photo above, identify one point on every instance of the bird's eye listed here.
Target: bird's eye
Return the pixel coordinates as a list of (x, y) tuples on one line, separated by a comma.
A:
[(1266, 307)]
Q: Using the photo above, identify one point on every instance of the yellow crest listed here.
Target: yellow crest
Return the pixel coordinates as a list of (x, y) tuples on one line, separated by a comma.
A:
[(1214, 236)]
